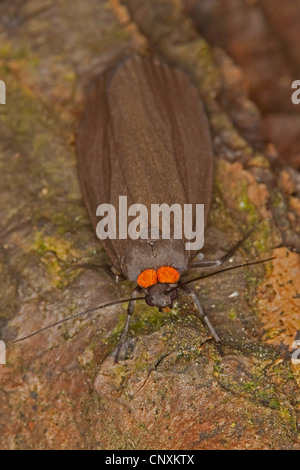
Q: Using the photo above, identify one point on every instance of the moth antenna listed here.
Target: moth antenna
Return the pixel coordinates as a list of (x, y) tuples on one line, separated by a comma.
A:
[(230, 268), (77, 315)]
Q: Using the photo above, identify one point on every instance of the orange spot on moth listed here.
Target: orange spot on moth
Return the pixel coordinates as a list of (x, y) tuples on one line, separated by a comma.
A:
[(167, 309), (147, 278), (167, 275)]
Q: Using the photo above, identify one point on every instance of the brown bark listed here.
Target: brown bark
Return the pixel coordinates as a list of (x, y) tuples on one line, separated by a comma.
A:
[(61, 389)]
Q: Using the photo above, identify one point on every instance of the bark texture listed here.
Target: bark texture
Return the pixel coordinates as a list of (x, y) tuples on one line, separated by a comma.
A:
[(61, 389)]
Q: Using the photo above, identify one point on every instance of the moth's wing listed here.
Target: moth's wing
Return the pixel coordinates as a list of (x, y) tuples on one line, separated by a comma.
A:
[(94, 148), (144, 135), (161, 136)]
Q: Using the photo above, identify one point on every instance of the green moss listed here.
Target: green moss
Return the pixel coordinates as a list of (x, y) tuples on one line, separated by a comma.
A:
[(145, 320), (238, 194), (142, 426), (274, 403), (232, 314), (265, 237), (5, 50), (39, 244), (277, 198), (54, 252), (245, 205), (260, 161), (262, 395), (272, 333), (66, 336), (250, 386), (89, 365), (151, 319), (66, 223), (217, 367), (219, 215), (70, 76), (199, 54), (43, 243)]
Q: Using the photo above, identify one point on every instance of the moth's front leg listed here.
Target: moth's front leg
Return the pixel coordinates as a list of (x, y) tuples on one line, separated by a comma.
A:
[(130, 310), (201, 311)]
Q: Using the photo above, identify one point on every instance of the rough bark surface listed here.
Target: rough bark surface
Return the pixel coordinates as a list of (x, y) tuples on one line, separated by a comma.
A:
[(174, 390)]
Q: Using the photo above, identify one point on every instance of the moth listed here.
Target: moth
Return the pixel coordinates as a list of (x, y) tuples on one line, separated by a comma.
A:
[(144, 134)]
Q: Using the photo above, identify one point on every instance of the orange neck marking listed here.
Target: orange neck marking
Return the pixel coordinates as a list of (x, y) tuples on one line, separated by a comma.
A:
[(164, 275), (147, 278)]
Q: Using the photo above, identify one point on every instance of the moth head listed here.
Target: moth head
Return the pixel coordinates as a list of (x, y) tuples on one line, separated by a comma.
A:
[(157, 284), (159, 296)]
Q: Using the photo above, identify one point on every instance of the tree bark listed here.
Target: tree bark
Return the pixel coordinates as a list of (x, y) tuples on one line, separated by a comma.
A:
[(175, 390)]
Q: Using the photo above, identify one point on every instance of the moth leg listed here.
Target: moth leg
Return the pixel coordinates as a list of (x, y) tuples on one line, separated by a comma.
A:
[(130, 309), (96, 267), (227, 256), (115, 277), (201, 312)]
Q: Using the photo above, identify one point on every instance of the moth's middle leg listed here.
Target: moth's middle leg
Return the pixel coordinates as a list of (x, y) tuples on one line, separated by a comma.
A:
[(105, 267)]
